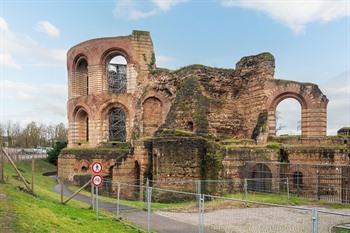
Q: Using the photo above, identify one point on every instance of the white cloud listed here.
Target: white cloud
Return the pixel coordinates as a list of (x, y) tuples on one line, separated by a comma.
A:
[(165, 5), (134, 10), (8, 61), (3, 24), (24, 47), (43, 102), (298, 13), (48, 28), (337, 90), (162, 60)]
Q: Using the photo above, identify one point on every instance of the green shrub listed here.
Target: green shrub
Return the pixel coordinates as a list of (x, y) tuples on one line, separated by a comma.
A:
[(55, 151)]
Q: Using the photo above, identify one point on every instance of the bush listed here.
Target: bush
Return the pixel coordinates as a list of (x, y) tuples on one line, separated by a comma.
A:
[(55, 152)]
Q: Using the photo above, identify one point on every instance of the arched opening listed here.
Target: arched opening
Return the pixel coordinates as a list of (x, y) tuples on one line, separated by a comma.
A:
[(117, 124), (82, 121), (152, 115), (288, 117), (298, 180), (81, 77), (190, 126), (84, 169), (260, 179), (117, 74)]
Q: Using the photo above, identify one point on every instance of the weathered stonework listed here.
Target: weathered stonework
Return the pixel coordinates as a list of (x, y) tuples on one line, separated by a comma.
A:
[(176, 121)]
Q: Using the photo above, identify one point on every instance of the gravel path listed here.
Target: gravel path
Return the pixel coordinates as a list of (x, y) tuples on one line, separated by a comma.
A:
[(261, 220)]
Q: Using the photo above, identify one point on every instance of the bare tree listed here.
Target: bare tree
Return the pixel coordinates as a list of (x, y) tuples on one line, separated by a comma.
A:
[(279, 126)]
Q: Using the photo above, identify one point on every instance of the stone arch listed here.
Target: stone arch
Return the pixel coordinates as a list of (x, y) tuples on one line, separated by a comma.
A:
[(112, 52), (117, 76), (106, 110), (273, 106), (81, 126), (80, 82), (260, 178), (152, 115), (313, 107)]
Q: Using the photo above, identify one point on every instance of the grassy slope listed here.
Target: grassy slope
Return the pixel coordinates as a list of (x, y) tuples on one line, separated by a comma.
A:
[(44, 213)]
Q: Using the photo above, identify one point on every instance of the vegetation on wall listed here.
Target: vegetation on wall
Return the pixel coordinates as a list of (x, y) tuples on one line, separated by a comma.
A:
[(191, 104), (87, 153)]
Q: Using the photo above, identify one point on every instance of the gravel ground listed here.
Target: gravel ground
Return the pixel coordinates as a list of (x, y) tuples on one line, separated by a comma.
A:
[(261, 220)]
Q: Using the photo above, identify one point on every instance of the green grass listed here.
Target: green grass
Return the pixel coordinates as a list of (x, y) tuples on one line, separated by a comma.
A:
[(44, 213), (282, 199), (141, 204), (342, 230)]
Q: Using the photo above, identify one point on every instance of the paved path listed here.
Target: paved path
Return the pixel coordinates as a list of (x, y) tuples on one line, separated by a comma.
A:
[(158, 223)]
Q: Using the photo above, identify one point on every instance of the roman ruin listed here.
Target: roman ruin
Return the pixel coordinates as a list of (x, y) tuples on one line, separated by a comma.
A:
[(196, 122)]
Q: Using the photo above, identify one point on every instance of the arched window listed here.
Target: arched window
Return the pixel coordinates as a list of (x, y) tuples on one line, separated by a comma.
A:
[(117, 74), (81, 78), (82, 121), (117, 124)]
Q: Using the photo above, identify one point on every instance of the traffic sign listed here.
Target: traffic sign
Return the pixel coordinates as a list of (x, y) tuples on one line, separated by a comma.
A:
[(96, 167), (97, 180)]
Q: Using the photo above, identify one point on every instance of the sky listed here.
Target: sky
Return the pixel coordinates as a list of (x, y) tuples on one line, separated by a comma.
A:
[(310, 41)]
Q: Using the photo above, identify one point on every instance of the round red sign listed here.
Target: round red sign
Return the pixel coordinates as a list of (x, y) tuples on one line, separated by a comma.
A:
[(96, 167), (97, 180)]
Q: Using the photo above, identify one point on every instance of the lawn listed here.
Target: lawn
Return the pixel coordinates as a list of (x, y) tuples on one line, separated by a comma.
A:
[(44, 213)]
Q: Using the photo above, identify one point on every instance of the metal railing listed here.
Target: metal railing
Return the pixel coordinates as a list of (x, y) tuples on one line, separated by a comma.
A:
[(155, 208)]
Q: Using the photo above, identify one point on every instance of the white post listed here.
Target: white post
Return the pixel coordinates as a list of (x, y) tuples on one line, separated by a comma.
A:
[(245, 189), (97, 202), (92, 196), (149, 201), (314, 221), (118, 198), (288, 188)]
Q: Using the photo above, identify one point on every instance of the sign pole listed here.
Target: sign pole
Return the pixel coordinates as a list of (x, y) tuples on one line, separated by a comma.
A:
[(97, 202), (92, 196)]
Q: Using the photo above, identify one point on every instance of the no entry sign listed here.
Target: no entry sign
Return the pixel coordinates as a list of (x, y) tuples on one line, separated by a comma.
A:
[(96, 167), (97, 180)]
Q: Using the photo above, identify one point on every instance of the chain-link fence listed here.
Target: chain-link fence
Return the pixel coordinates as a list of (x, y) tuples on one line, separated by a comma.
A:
[(168, 209)]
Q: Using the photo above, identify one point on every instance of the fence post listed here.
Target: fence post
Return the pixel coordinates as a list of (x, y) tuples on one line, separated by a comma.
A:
[(201, 212), (118, 198), (61, 186), (149, 202), (2, 168), (146, 193), (199, 187), (288, 188), (314, 220), (33, 170), (298, 180), (245, 189), (318, 185)]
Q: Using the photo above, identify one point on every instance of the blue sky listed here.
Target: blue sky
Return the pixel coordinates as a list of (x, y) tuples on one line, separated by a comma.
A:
[(309, 39)]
